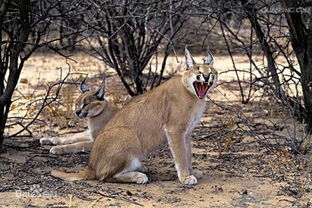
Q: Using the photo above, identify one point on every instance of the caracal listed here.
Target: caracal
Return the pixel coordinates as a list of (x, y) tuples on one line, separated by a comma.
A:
[(92, 106), (169, 113)]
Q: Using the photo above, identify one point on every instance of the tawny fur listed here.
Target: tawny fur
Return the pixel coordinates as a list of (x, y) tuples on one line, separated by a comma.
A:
[(97, 112), (169, 112)]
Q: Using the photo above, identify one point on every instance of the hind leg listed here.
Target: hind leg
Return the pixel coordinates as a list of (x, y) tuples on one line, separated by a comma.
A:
[(131, 173), (131, 177), (115, 155)]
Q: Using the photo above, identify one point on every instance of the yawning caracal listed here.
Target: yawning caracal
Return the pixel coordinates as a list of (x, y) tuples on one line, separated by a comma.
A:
[(167, 113)]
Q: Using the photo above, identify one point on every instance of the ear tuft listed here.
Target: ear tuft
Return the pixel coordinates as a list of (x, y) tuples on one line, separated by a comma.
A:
[(189, 59), (209, 60), (101, 91), (83, 86)]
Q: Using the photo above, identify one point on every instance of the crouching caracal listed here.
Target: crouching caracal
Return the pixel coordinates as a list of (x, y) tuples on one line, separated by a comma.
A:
[(90, 105), (167, 113)]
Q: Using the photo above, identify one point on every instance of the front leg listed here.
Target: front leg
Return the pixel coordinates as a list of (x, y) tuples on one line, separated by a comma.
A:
[(72, 148), (68, 139), (197, 173), (178, 147)]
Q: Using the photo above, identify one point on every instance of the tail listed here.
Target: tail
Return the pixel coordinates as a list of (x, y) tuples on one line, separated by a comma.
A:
[(85, 174)]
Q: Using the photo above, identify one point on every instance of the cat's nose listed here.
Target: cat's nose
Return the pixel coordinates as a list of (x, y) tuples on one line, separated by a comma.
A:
[(206, 77)]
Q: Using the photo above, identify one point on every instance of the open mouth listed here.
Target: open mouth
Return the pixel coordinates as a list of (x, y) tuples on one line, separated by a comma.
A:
[(201, 88)]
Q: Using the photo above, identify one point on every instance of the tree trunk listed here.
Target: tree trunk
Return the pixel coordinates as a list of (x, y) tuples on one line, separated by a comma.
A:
[(252, 16), (301, 39), (15, 66), (306, 79)]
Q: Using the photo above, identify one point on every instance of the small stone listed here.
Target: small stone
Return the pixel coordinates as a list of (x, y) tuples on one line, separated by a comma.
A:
[(308, 188), (244, 192), (217, 189)]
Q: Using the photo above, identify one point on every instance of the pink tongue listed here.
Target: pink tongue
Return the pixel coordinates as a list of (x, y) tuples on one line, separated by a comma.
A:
[(201, 91)]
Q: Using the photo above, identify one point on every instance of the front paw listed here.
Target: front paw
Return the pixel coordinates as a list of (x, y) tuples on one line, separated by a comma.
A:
[(197, 173), (51, 140), (142, 179), (44, 141), (57, 150), (188, 180)]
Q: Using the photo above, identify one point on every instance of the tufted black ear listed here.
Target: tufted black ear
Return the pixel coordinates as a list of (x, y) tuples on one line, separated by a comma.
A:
[(101, 91), (209, 60), (189, 59), (83, 86)]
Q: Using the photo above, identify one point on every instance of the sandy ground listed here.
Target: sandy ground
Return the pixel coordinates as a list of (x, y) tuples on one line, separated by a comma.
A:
[(239, 171)]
